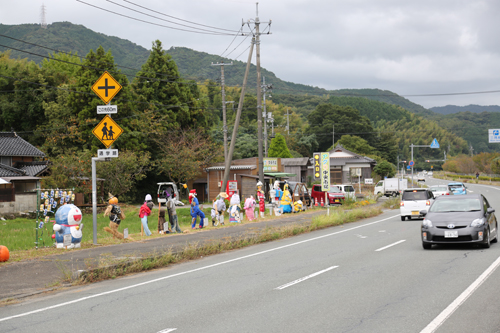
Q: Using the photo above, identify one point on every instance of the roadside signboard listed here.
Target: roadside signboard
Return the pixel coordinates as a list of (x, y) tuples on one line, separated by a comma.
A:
[(270, 164), (107, 109), (368, 181), (494, 135), (316, 166), (107, 152), (106, 87), (107, 131), (325, 172)]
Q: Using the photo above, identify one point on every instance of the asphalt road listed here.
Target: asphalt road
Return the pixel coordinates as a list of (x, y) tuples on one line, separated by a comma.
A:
[(368, 276)]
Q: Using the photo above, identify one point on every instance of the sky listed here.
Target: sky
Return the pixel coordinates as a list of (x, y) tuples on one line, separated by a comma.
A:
[(447, 50)]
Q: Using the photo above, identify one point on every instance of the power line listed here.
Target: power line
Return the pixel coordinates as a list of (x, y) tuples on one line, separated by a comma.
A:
[(154, 11), (157, 24)]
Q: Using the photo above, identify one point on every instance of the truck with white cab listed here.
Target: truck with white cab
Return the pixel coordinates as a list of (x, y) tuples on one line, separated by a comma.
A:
[(391, 187)]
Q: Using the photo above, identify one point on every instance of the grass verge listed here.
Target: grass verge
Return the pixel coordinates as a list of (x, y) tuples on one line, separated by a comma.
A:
[(110, 268)]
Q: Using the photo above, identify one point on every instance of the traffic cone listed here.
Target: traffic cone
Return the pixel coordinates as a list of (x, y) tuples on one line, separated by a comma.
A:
[(316, 202), (322, 202)]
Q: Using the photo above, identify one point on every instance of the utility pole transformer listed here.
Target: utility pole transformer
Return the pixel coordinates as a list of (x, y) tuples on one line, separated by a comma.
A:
[(223, 91)]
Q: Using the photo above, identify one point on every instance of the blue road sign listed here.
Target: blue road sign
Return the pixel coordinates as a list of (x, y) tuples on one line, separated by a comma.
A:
[(434, 143), (411, 163), (408, 167)]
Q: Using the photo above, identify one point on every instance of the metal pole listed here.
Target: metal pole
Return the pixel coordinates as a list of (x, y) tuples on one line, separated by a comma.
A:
[(333, 135), (94, 199), (259, 98), (412, 165), (264, 115), (237, 120), (223, 93)]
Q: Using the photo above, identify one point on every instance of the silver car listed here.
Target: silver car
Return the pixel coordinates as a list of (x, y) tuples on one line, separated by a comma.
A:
[(438, 190)]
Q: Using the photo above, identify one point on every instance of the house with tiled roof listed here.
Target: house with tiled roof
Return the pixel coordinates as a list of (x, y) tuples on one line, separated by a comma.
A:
[(20, 171), (344, 164)]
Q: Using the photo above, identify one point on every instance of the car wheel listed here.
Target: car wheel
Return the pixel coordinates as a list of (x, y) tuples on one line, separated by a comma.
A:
[(487, 242), (403, 218), (426, 246)]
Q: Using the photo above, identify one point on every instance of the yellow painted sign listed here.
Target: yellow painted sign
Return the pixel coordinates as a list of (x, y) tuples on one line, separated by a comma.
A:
[(106, 87), (107, 131)]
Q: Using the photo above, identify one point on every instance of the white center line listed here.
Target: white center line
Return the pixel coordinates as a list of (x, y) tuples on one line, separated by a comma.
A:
[(388, 246), (440, 319), (304, 278), (64, 304)]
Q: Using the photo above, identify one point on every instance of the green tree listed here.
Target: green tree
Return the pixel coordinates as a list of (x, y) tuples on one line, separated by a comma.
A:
[(495, 165), (346, 120), (356, 144), (385, 169), (278, 147)]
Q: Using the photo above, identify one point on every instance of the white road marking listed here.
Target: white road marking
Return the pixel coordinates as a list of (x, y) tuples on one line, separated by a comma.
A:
[(441, 318), (304, 278), (388, 246), (168, 330), (361, 236), (191, 271)]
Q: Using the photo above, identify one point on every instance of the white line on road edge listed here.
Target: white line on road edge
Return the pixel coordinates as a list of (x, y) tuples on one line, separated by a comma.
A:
[(388, 246), (168, 330), (441, 318), (191, 271), (305, 278)]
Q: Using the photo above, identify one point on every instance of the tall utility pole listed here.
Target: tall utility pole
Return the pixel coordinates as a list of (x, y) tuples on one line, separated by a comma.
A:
[(227, 168), (265, 88), (333, 135), (287, 122), (43, 21), (259, 98), (222, 83)]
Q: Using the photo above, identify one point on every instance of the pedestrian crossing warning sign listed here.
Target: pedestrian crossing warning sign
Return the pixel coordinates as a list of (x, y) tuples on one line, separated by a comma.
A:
[(106, 87), (107, 131)]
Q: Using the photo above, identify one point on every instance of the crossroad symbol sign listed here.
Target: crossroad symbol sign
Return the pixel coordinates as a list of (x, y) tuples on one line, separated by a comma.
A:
[(434, 144), (107, 131), (106, 87)]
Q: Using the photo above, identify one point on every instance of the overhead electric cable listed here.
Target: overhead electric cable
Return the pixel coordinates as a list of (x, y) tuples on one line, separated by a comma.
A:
[(176, 18), (157, 24)]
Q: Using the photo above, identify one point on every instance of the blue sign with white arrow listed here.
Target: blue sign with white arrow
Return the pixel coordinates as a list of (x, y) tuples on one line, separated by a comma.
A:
[(434, 144)]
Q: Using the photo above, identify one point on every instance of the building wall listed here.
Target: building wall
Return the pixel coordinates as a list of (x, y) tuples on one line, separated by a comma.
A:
[(216, 176), (24, 203), (293, 169)]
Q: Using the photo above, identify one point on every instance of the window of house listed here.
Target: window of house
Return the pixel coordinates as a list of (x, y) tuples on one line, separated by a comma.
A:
[(7, 160)]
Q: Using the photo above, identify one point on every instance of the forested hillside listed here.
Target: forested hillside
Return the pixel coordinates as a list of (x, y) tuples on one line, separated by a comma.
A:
[(448, 109)]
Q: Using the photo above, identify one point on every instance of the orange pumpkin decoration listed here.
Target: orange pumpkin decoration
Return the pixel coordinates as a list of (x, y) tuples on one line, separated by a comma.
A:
[(4, 253)]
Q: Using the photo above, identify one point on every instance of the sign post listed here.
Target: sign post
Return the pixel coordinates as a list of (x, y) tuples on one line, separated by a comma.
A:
[(325, 175)]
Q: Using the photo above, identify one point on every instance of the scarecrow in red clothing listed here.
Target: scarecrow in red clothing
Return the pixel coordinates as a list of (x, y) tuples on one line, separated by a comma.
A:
[(261, 197)]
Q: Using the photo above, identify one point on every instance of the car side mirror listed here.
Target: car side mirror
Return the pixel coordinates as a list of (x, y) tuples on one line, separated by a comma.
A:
[(423, 212), (490, 210)]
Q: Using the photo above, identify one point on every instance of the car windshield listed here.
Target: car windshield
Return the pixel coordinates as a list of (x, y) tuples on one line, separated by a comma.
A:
[(456, 187), (415, 195), (438, 188), (334, 189), (464, 205)]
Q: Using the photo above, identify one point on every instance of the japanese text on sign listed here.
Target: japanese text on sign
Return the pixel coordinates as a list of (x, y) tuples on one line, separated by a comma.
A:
[(317, 167), (325, 172)]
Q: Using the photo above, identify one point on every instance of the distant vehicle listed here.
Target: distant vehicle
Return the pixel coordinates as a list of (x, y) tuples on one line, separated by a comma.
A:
[(430, 174), (390, 186), (335, 195), (414, 201), (458, 188), (441, 190), (421, 177), (459, 219), (348, 190), (171, 189)]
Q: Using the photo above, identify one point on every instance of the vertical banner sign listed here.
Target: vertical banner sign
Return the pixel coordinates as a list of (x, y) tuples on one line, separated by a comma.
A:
[(316, 166), (325, 172)]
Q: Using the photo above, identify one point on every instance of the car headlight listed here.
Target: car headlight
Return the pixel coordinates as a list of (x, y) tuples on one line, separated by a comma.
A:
[(477, 222), (426, 223)]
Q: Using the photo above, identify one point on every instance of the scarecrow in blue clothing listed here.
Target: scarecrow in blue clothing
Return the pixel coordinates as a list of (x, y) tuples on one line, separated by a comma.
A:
[(195, 210)]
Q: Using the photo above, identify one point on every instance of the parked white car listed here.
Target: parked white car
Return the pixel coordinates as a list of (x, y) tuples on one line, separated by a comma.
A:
[(348, 190), (413, 201)]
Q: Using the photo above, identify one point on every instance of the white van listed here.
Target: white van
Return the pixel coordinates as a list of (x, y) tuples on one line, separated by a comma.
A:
[(348, 190), (171, 189)]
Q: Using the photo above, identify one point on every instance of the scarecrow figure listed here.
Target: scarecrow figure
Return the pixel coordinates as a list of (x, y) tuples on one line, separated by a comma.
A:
[(276, 194), (221, 206), (195, 210), (286, 200), (68, 222), (262, 199), (234, 209), (115, 217), (249, 207)]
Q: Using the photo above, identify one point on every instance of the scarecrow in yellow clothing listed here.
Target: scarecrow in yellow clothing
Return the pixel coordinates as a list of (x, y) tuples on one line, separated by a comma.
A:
[(286, 200)]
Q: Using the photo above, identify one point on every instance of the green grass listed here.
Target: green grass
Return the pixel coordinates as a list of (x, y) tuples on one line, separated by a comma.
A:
[(20, 234)]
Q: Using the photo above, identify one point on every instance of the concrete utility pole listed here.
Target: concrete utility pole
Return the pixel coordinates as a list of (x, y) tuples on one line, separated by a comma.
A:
[(333, 137), (222, 83), (265, 88), (229, 158), (287, 122)]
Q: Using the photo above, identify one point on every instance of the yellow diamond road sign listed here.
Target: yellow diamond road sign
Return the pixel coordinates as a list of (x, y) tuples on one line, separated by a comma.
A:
[(106, 87), (107, 131)]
